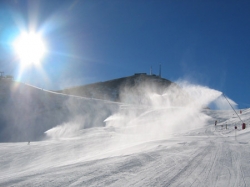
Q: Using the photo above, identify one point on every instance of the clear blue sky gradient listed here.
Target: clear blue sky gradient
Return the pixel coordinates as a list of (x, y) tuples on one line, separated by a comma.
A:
[(204, 42)]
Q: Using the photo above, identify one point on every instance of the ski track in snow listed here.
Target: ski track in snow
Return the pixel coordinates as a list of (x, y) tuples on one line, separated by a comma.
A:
[(205, 157)]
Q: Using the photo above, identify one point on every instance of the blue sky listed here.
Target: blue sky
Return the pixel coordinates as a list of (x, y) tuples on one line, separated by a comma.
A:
[(204, 42)]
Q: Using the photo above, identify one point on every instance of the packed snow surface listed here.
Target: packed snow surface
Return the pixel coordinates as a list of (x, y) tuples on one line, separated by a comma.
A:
[(206, 155)]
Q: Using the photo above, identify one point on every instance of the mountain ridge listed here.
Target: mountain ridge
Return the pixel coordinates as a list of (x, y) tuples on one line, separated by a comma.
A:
[(111, 89)]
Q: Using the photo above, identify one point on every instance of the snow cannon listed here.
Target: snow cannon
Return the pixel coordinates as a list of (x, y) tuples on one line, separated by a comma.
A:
[(243, 125)]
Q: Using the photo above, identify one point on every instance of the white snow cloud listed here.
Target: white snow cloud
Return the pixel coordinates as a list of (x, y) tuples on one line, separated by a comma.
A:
[(158, 116), (222, 103)]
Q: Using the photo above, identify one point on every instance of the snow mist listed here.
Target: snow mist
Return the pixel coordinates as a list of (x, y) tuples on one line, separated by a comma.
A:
[(152, 116), (145, 113)]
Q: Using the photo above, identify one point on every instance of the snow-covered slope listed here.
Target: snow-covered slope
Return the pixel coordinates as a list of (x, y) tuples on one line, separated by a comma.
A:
[(169, 141), (111, 156)]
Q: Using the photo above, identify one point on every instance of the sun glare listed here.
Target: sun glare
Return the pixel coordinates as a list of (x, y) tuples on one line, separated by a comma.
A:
[(30, 48)]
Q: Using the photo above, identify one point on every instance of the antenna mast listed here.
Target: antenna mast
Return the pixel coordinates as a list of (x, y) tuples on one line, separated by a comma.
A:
[(160, 71)]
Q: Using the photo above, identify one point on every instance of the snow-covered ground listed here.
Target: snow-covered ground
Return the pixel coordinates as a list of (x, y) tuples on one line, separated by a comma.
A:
[(118, 156)]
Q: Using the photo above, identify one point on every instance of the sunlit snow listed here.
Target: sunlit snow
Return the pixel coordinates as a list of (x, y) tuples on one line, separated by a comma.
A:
[(169, 141)]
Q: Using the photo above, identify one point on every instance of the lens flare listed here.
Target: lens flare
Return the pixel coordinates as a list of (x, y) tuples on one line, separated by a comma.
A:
[(30, 48)]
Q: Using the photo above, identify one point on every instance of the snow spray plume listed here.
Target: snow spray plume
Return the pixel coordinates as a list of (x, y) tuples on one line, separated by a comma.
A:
[(222, 104), (152, 115), (81, 113)]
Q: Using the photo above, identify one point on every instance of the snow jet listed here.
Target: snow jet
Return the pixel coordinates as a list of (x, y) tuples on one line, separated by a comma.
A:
[(152, 116), (221, 103), (82, 113), (67, 129)]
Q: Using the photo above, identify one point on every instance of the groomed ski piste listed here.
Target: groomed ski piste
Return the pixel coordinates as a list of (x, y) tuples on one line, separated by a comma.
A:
[(175, 146)]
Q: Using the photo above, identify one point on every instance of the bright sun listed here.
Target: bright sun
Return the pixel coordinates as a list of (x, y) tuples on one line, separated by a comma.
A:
[(30, 48)]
